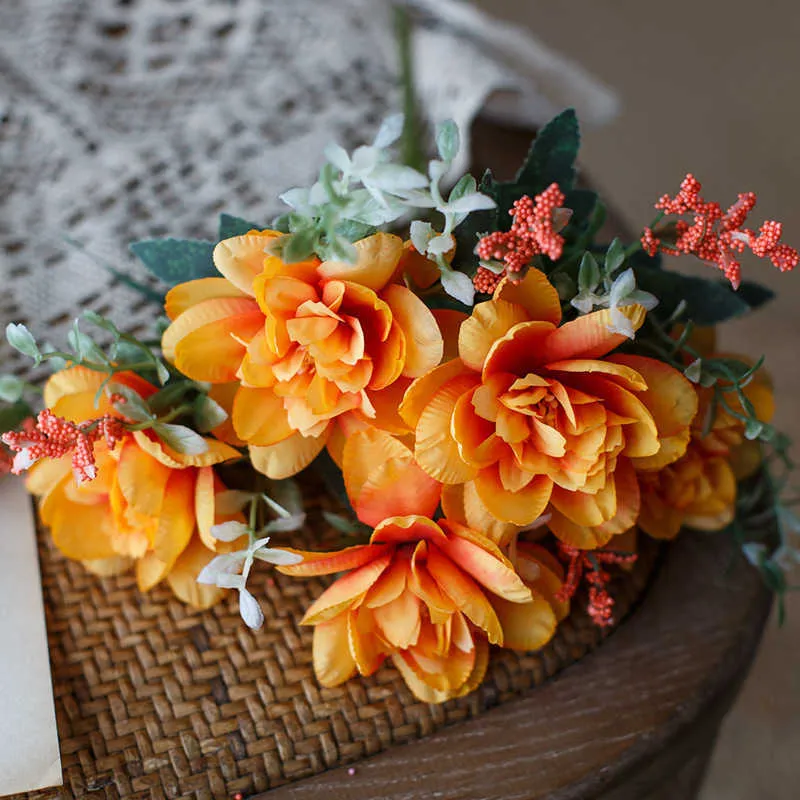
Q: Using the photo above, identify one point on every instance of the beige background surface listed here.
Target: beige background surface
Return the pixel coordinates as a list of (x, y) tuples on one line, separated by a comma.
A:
[(711, 88)]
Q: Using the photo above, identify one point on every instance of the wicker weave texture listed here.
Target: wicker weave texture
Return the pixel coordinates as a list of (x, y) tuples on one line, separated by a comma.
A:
[(154, 700)]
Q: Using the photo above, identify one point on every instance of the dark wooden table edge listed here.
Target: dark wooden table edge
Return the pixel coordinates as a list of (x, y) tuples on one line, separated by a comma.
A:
[(705, 710)]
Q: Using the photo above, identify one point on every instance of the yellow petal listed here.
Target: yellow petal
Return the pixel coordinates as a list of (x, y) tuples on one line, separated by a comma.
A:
[(589, 336), (217, 452), (142, 479), (535, 294), (176, 522), (465, 593), (185, 295), (520, 350), (377, 257), (461, 502), (150, 571), (364, 451), (526, 626), (108, 567), (671, 400), (582, 536), (436, 450), (241, 258), (205, 313), (518, 508), (287, 458), (424, 344), (488, 322), (182, 578), (259, 417), (399, 620), (366, 648), (344, 591), (624, 373), (422, 390), (333, 661), (214, 352), (81, 532), (449, 322)]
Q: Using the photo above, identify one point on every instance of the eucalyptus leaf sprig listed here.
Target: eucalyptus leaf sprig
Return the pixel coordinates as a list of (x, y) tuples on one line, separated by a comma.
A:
[(358, 192)]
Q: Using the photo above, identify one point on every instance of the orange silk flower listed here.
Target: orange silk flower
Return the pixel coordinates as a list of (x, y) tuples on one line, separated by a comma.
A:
[(699, 489), (420, 592), (305, 345), (147, 504), (531, 415)]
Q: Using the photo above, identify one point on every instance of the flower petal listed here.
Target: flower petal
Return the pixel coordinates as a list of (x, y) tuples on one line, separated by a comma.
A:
[(488, 322), (205, 313), (526, 626), (331, 654), (422, 390), (345, 591), (436, 451), (287, 458), (535, 294), (343, 560), (241, 258), (217, 452), (377, 257), (182, 578), (424, 344), (461, 503), (185, 295), (465, 593), (671, 400), (214, 352), (519, 508), (259, 417), (589, 336)]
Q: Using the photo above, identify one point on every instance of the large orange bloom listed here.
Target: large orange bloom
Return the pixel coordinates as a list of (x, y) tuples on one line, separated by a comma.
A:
[(148, 504), (534, 413), (420, 592), (307, 344)]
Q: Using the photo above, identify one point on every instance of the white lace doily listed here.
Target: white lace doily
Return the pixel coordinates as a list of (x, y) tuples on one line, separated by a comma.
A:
[(142, 118)]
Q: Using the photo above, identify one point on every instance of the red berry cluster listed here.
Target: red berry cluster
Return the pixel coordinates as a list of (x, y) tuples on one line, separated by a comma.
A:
[(53, 437), (586, 566), (532, 233), (717, 237)]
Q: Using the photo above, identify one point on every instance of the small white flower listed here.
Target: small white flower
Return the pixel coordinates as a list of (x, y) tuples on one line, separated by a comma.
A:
[(231, 570)]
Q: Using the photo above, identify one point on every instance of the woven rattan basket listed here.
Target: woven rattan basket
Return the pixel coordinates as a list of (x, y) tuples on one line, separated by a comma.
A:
[(155, 700)]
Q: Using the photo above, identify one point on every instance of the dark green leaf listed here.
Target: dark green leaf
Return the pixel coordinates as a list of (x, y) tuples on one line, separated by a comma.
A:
[(754, 294), (145, 291), (180, 438), (230, 226), (176, 260), (707, 302), (11, 416), (551, 158)]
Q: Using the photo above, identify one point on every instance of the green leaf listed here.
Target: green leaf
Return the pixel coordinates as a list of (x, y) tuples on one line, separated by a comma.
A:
[(707, 302), (11, 416), (230, 226), (354, 231), (299, 246), (342, 524), (11, 388), (588, 273), (22, 340), (754, 294), (208, 413), (551, 158), (176, 260), (447, 140), (84, 346), (615, 256), (164, 399), (133, 407), (180, 438)]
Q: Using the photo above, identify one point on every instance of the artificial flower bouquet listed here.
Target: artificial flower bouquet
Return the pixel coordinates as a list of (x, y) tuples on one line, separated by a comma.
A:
[(506, 402)]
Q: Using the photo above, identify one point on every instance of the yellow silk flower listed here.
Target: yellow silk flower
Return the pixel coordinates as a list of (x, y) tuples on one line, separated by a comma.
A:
[(148, 505), (534, 416), (310, 349)]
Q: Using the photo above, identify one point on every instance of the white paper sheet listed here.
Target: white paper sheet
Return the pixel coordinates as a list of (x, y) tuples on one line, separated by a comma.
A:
[(29, 757)]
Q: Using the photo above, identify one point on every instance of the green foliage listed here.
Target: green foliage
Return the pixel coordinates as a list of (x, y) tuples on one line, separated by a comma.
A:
[(12, 415), (551, 159), (230, 226), (176, 261), (707, 302)]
